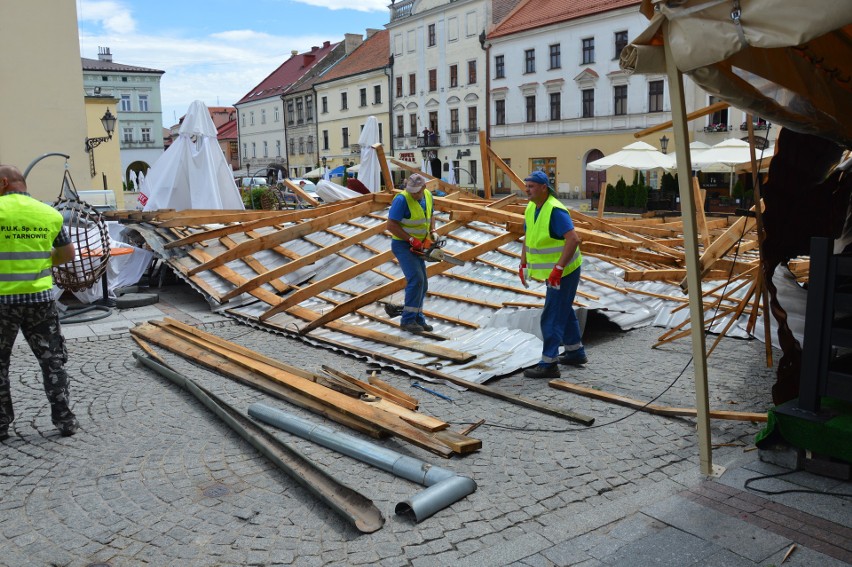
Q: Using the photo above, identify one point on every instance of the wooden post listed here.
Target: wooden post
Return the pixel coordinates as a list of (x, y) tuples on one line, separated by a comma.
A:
[(602, 200), (699, 194), (383, 163), (486, 163)]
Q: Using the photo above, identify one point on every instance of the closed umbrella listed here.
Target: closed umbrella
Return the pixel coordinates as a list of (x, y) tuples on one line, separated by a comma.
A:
[(369, 171), (134, 184)]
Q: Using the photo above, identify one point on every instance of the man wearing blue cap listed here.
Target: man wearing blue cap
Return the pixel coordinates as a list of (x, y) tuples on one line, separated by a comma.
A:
[(551, 253)]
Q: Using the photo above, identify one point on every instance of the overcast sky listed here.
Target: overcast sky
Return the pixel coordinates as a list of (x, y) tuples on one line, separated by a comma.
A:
[(215, 50)]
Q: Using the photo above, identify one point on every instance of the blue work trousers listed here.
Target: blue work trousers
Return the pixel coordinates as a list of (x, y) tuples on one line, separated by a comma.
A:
[(559, 323), (414, 268)]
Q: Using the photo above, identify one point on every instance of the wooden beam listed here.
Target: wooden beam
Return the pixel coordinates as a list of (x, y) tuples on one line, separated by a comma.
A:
[(654, 409), (486, 163), (383, 163), (301, 193), (498, 161), (602, 200), (715, 107)]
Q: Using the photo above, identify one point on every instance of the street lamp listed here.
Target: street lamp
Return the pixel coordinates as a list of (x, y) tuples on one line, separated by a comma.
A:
[(425, 153), (664, 144), (324, 160), (108, 122)]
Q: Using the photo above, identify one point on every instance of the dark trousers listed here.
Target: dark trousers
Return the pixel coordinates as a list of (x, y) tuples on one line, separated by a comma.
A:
[(39, 323)]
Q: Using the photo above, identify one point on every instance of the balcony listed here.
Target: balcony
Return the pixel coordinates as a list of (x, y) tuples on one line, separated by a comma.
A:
[(430, 141), (401, 9), (718, 128), (757, 125)]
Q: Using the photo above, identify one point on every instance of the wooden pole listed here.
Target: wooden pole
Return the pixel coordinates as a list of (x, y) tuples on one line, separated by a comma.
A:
[(715, 107), (602, 200), (383, 163), (702, 218), (486, 163)]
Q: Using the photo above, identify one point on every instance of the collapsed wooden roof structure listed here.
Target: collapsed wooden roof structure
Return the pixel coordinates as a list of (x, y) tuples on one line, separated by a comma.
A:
[(325, 273)]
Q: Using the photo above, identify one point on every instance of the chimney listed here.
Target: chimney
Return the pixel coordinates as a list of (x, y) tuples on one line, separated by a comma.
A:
[(308, 58), (104, 54), (294, 52), (314, 48), (371, 32), (326, 44), (351, 42)]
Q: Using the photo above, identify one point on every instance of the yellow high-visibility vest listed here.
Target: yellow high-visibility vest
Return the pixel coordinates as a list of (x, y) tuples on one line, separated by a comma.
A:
[(27, 230), (543, 251), (420, 221)]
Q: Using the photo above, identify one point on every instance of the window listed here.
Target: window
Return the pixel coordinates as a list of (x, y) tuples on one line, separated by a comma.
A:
[(529, 61), (412, 124), (433, 80), (363, 95), (276, 115), (291, 113), (310, 148), (454, 75), (472, 125), (263, 116), (620, 42), (398, 87), (620, 100), (433, 121), (412, 84), (471, 72), (253, 150), (344, 102), (251, 118), (125, 103), (556, 106), (127, 135), (233, 152), (431, 34), (146, 134), (588, 103), (381, 136), (309, 108), (499, 67), (655, 96), (243, 119), (325, 105), (265, 148), (292, 145), (530, 105), (556, 56), (245, 150), (301, 145), (719, 119), (377, 94), (143, 103), (400, 126), (454, 120), (300, 111), (278, 148), (588, 50), (325, 139), (500, 112), (344, 132)]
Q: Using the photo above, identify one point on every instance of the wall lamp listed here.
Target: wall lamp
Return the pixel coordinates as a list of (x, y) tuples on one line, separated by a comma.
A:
[(664, 144), (108, 121)]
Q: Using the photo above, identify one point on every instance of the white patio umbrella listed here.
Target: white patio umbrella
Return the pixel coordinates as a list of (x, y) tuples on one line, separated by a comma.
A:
[(357, 168), (724, 157), (314, 173), (134, 183), (638, 155)]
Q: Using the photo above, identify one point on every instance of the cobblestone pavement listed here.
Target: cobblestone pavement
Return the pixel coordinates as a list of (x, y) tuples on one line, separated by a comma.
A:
[(152, 478)]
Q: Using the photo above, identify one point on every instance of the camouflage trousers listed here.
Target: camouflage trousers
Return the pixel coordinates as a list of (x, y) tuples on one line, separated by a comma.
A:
[(39, 323)]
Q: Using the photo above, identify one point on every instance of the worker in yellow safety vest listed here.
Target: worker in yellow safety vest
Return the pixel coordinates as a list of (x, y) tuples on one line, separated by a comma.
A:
[(551, 254), (412, 225), (32, 241)]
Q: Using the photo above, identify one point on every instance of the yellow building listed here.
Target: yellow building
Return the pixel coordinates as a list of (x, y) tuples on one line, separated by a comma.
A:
[(42, 108), (105, 157)]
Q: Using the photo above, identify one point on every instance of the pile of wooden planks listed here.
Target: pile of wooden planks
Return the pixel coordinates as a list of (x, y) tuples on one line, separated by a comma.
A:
[(374, 408)]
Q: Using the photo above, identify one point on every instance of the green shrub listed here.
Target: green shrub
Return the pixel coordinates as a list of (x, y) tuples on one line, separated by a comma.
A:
[(260, 197), (620, 193)]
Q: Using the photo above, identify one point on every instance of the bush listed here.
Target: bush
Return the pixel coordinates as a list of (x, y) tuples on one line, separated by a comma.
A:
[(620, 193), (668, 184), (260, 197)]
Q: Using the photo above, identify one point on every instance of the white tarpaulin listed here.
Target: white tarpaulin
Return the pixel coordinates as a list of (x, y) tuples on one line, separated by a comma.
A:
[(192, 173), (330, 192), (787, 61), (369, 173)]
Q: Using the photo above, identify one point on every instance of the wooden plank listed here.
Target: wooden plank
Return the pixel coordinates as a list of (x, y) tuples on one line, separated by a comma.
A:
[(715, 107), (650, 244), (301, 193), (657, 410), (402, 400), (486, 163), (602, 200), (218, 218), (383, 164), (379, 383), (232, 370), (375, 413), (504, 167)]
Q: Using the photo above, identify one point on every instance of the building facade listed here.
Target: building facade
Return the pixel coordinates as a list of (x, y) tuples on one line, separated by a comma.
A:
[(260, 113), (353, 90), (438, 86), (139, 109)]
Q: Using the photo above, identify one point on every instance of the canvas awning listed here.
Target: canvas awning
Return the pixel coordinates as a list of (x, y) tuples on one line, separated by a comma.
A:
[(786, 61)]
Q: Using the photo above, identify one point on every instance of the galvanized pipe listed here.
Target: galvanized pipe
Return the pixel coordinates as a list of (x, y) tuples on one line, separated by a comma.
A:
[(445, 486)]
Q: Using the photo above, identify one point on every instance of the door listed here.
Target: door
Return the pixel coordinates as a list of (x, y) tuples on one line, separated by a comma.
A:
[(594, 178)]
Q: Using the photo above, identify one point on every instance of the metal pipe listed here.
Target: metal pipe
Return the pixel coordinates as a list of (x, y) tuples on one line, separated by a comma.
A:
[(357, 509), (445, 486)]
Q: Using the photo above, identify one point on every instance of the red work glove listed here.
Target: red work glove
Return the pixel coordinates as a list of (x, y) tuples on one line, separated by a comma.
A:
[(555, 278), (522, 273), (416, 244)]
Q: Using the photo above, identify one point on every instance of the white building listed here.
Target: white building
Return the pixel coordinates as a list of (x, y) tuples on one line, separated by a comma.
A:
[(140, 109), (438, 82)]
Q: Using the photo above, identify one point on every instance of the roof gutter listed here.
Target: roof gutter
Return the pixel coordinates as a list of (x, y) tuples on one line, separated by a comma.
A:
[(444, 486)]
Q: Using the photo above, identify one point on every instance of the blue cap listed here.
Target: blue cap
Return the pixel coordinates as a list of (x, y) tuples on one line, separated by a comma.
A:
[(539, 177)]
